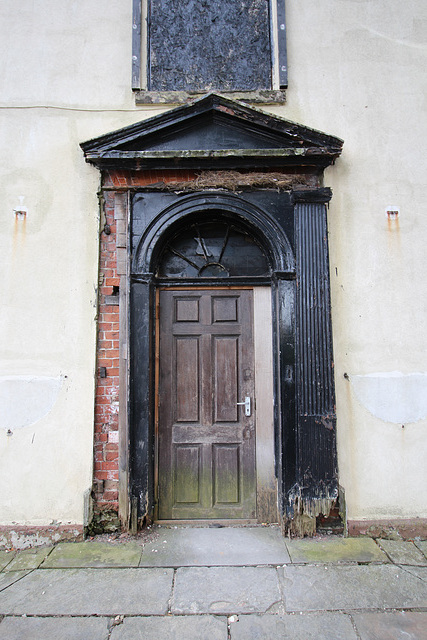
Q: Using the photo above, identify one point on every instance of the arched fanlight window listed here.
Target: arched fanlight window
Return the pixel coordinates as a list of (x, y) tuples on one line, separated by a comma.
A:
[(219, 249)]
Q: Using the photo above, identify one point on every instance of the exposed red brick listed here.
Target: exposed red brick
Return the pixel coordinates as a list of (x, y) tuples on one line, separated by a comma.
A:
[(111, 496), (106, 409), (106, 398)]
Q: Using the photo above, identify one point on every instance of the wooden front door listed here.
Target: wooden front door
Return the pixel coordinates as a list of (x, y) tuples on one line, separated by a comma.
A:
[(206, 440)]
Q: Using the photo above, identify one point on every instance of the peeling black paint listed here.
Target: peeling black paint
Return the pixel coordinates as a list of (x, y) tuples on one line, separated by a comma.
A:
[(214, 133)]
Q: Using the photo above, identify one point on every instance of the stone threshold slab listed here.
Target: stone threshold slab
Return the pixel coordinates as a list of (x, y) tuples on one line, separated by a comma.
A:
[(227, 546)]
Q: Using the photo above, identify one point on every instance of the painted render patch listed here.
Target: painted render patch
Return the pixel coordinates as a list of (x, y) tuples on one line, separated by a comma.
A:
[(27, 399), (394, 396)]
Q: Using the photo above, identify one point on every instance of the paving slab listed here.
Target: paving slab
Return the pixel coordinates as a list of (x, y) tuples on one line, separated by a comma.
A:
[(93, 554), (396, 625), (402, 552), (82, 592), (54, 629), (172, 628), (309, 626), (422, 546), (192, 547), (419, 572), (28, 559), (6, 579), (225, 590), (330, 587), (5, 558), (335, 550)]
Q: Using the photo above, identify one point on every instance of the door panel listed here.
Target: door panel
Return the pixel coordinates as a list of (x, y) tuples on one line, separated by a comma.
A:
[(206, 444), (225, 379), (187, 473), (226, 473), (187, 379)]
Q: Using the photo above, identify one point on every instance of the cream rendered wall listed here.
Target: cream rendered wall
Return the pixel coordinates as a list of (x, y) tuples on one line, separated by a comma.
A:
[(64, 78), (357, 70)]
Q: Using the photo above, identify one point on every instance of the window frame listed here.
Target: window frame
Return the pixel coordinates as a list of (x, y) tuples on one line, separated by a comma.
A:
[(279, 82)]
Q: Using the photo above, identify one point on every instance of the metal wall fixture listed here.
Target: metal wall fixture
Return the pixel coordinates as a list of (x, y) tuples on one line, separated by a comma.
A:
[(392, 212), (21, 210)]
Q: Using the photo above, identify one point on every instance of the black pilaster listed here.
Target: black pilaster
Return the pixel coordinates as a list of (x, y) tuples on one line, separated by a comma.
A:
[(316, 445), (141, 382)]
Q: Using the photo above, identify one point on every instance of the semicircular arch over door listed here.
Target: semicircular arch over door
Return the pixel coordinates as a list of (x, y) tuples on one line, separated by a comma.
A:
[(218, 248)]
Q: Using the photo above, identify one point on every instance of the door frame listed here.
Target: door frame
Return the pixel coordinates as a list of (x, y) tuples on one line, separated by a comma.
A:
[(288, 214), (304, 408), (266, 481)]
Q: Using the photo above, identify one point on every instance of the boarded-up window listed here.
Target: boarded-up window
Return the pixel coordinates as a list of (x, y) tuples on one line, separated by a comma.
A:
[(203, 45)]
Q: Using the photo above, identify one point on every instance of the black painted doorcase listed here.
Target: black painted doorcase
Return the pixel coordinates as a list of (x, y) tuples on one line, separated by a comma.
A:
[(282, 213), (167, 253), (206, 420)]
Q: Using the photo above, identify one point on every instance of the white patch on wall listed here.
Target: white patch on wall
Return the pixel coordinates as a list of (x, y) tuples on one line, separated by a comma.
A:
[(394, 396), (26, 399)]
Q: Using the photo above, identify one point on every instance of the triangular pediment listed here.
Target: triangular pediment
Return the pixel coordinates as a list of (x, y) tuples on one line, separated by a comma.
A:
[(216, 132)]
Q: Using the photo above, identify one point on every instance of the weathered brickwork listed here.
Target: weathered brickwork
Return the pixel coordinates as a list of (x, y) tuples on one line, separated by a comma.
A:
[(123, 179), (106, 450), (106, 447)]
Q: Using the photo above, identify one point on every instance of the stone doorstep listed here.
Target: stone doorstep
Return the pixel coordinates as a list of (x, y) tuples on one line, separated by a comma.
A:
[(246, 546)]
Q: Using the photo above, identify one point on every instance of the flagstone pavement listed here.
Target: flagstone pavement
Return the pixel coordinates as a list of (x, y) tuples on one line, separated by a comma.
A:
[(230, 583)]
